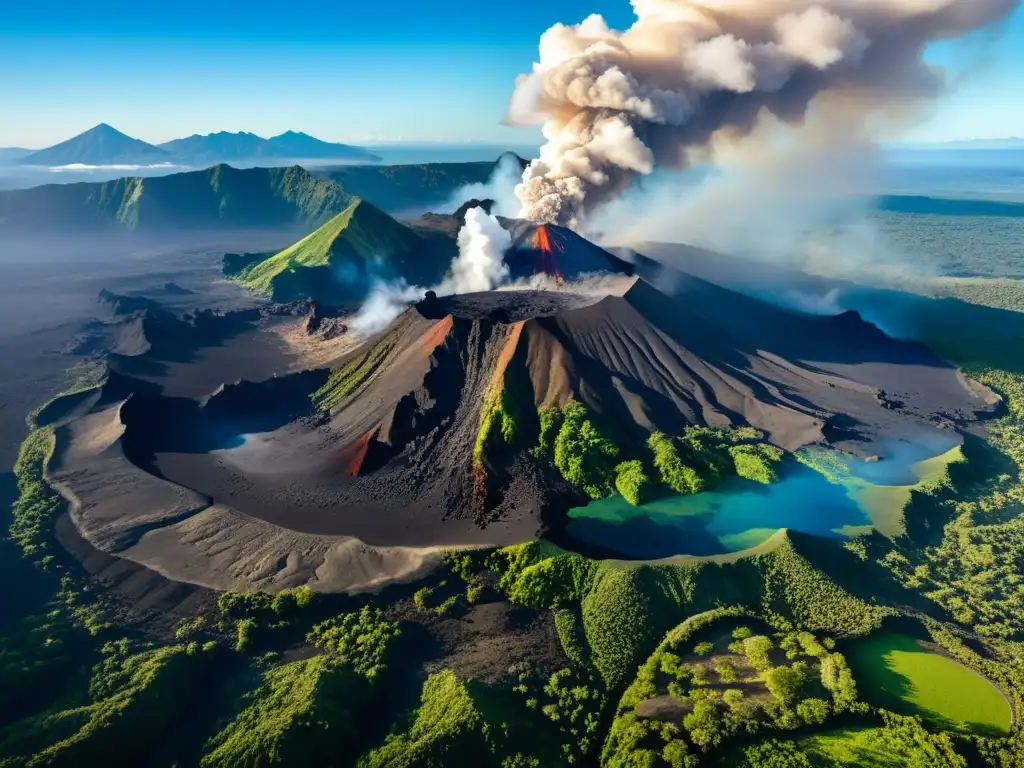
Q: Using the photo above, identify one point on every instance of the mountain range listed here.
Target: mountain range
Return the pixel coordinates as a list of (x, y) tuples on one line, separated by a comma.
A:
[(217, 147), (224, 197), (105, 145)]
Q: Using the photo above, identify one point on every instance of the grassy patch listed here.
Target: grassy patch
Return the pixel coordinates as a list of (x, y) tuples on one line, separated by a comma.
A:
[(37, 506), (899, 742), (308, 712), (133, 699), (345, 380)]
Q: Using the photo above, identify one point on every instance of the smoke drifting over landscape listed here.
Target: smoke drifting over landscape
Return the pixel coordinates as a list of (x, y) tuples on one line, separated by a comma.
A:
[(480, 266), (693, 76)]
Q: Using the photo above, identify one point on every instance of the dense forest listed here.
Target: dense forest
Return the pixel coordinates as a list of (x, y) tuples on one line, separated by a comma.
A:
[(733, 661)]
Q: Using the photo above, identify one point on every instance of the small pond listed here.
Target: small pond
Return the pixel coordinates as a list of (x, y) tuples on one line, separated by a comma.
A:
[(904, 675)]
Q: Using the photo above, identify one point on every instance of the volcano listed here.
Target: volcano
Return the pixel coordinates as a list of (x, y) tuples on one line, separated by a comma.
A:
[(557, 252), (339, 263), (431, 434)]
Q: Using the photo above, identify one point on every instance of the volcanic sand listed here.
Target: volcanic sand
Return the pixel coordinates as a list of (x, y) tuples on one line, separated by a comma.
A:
[(248, 486)]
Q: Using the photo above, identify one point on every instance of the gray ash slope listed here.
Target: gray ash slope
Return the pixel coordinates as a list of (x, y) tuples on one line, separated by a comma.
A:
[(387, 457)]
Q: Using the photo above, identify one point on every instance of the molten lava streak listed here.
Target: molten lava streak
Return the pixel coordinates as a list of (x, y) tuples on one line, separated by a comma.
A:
[(546, 244)]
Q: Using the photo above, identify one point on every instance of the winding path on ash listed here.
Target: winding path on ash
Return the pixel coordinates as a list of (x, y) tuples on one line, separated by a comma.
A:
[(251, 487)]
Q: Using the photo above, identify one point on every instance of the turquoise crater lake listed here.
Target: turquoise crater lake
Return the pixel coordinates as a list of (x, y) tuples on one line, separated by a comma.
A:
[(741, 514)]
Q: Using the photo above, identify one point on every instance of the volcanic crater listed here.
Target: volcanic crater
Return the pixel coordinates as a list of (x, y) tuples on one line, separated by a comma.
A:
[(354, 467)]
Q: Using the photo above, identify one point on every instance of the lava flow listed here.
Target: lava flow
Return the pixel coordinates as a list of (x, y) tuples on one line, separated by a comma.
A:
[(546, 244)]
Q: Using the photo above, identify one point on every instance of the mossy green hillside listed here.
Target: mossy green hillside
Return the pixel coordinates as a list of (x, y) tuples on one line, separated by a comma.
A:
[(360, 238)]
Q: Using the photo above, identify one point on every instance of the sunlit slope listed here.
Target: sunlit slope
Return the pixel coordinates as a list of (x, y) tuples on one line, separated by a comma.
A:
[(342, 257)]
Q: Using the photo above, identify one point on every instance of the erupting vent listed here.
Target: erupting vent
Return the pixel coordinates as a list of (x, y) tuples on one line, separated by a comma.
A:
[(545, 243)]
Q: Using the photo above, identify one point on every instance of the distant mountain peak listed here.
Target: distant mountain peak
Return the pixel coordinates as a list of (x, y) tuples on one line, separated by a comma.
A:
[(244, 146), (100, 145)]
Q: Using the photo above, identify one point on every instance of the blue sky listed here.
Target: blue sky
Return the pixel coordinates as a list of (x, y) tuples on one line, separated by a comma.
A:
[(358, 71)]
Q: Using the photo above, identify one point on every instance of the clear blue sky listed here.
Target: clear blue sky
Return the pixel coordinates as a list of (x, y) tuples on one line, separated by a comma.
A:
[(361, 71)]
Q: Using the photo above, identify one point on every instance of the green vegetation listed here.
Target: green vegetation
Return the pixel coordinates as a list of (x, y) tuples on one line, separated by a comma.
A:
[(447, 722), (688, 464), (537, 722), (572, 636), (220, 196), (408, 187), (625, 609), (632, 482), (352, 240), (346, 379), (964, 548), (898, 743), (899, 674), (37, 506), (756, 462), (499, 425), (768, 693), (584, 456), (703, 457), (310, 712), (426, 599), (77, 381), (669, 463), (223, 196), (133, 699), (550, 423)]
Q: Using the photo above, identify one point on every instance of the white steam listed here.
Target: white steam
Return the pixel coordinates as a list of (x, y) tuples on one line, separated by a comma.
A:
[(479, 266), (691, 75), (386, 301), (500, 187)]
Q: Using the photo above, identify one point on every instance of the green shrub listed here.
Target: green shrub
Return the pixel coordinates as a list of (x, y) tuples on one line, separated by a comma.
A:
[(422, 598), (632, 482), (703, 649), (245, 630), (550, 424), (756, 649), (188, 629), (756, 462), (446, 724), (813, 711), (569, 626), (706, 450), (583, 455), (134, 699), (673, 472), (498, 423), (774, 754), (308, 712), (784, 683)]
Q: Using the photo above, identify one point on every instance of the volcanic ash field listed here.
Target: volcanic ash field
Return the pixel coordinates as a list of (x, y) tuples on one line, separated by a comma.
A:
[(273, 447)]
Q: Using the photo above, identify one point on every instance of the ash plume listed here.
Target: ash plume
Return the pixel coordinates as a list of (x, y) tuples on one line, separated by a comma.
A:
[(692, 74)]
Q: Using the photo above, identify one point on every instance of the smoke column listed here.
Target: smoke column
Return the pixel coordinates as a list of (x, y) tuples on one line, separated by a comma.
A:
[(690, 74), (479, 266)]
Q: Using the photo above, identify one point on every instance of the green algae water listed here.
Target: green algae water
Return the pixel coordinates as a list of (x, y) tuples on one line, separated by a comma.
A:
[(826, 494), (899, 673)]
